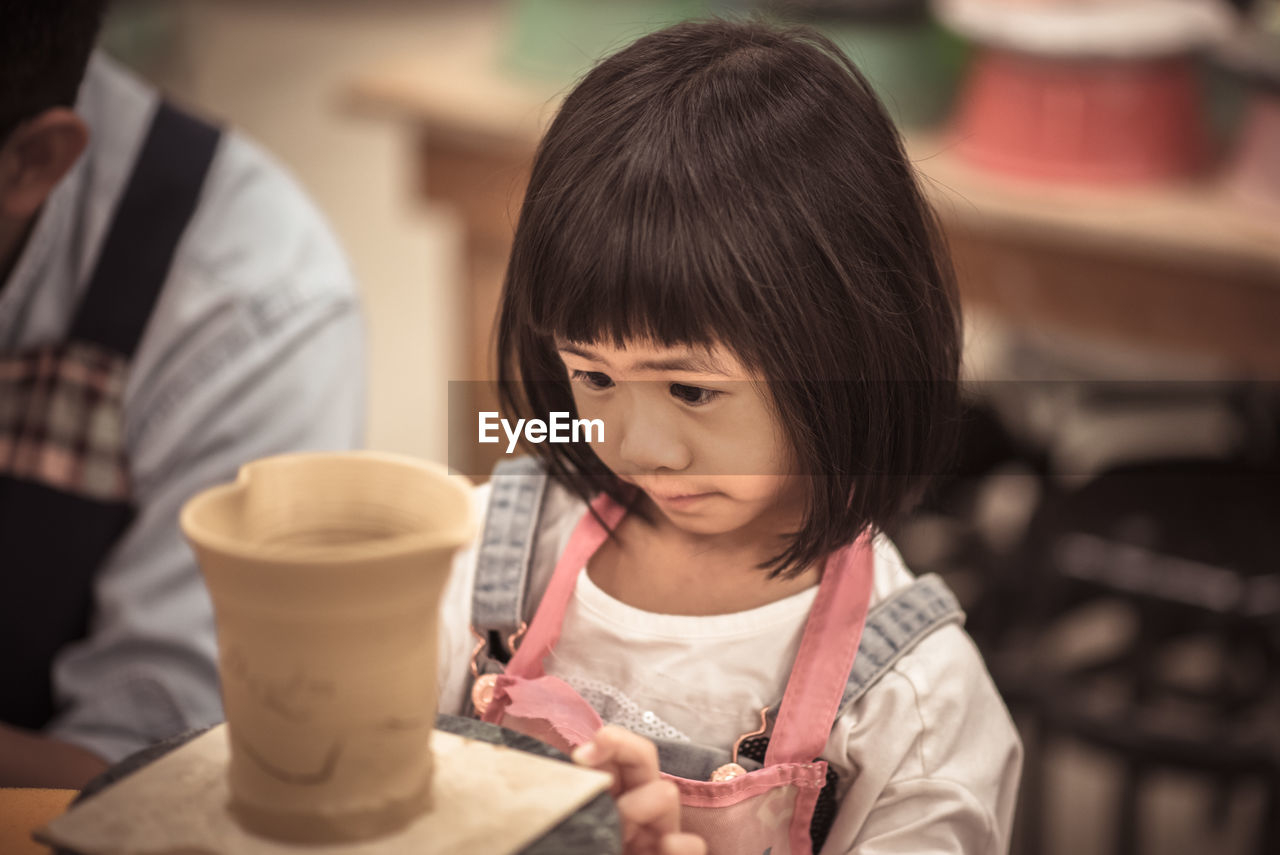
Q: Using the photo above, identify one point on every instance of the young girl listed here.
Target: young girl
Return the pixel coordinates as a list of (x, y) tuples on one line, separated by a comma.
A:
[(724, 257)]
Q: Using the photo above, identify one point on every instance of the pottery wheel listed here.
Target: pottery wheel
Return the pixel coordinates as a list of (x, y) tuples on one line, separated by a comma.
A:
[(592, 830)]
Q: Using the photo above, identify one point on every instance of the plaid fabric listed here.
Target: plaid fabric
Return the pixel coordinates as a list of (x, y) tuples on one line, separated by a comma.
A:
[(61, 420)]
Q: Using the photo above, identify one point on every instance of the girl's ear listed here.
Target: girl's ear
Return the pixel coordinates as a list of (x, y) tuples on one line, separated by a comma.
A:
[(35, 157)]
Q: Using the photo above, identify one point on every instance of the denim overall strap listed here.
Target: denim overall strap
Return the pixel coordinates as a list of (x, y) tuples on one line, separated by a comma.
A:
[(502, 561), (897, 625)]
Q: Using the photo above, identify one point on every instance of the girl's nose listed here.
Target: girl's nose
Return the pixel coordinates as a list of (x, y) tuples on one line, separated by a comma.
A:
[(650, 442)]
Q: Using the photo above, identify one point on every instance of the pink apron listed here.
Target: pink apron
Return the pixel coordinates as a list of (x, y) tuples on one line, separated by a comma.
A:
[(768, 810)]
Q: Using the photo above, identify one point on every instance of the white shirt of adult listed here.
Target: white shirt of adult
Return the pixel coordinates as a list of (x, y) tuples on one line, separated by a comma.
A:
[(255, 347)]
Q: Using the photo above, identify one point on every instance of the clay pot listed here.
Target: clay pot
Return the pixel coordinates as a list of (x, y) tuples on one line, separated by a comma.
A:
[(326, 572)]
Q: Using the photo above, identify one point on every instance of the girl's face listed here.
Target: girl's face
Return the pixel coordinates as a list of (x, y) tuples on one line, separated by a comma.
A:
[(693, 429)]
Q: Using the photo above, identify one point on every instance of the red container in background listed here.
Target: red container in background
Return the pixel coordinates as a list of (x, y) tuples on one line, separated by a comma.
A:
[(1093, 119)]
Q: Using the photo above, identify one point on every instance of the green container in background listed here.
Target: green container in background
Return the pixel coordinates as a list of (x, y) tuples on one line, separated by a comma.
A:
[(915, 65), (560, 40)]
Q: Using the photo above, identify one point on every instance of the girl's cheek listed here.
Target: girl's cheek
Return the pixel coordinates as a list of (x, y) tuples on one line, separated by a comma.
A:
[(594, 408), (590, 407)]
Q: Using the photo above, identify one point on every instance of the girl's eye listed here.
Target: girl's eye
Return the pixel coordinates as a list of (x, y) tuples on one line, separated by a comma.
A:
[(694, 396), (592, 379)]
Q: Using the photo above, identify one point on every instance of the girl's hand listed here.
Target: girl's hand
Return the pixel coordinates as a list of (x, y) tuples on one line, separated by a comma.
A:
[(649, 806)]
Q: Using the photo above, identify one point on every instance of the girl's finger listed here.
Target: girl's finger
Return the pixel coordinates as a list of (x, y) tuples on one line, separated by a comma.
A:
[(645, 842), (630, 758), (682, 844), (654, 806)]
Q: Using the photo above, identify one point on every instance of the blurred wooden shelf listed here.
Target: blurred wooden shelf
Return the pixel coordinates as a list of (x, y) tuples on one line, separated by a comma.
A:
[(1195, 223), (460, 92), (1183, 269)]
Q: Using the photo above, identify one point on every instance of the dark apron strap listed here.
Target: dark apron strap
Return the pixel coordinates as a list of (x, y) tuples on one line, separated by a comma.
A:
[(154, 211)]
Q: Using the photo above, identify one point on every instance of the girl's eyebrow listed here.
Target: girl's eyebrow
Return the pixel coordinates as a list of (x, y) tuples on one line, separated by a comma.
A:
[(691, 364), (688, 363)]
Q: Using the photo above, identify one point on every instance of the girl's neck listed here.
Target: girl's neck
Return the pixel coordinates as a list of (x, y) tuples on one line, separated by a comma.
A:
[(654, 566)]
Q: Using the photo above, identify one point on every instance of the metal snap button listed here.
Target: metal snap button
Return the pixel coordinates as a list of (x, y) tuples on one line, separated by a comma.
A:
[(728, 772)]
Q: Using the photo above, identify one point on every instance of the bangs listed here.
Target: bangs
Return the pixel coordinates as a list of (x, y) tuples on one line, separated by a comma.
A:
[(647, 261), (677, 213)]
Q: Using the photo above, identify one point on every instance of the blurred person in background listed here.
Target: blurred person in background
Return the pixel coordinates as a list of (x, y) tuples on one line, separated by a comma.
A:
[(171, 307)]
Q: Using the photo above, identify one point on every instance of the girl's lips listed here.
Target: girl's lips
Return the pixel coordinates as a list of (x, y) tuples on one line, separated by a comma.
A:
[(680, 501), (675, 500)]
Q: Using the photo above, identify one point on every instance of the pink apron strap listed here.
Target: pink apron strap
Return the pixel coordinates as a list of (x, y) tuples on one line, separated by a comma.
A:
[(822, 665), (544, 631), (827, 650)]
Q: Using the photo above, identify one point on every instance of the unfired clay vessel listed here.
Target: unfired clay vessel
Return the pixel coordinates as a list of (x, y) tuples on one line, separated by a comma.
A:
[(326, 572)]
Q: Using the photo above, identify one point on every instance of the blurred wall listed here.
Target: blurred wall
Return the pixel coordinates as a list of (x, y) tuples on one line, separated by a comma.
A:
[(278, 70)]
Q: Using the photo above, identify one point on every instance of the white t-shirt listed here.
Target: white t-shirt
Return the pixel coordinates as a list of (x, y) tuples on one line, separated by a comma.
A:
[(928, 759)]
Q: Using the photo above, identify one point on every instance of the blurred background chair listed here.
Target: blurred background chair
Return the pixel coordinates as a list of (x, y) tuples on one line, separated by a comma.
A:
[(1186, 551), (1127, 603)]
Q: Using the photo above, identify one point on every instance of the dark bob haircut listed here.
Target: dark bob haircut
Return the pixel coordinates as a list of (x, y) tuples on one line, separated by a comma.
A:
[(733, 183)]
